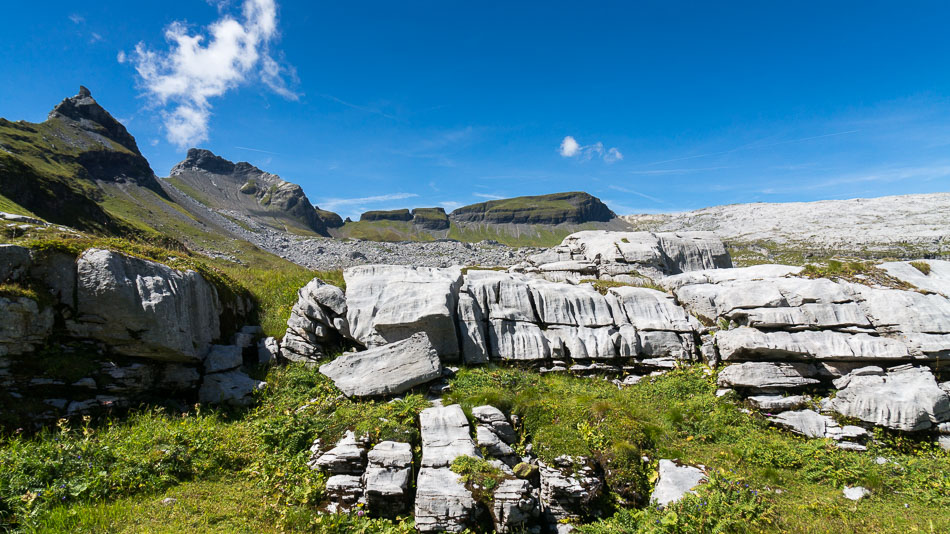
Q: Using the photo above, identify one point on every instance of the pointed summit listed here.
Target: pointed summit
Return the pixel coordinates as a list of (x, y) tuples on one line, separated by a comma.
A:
[(88, 115)]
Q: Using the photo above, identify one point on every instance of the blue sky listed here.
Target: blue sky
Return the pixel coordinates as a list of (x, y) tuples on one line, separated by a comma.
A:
[(669, 106)]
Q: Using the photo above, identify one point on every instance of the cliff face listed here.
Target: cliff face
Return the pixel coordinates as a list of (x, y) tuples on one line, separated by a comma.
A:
[(246, 189), (558, 208)]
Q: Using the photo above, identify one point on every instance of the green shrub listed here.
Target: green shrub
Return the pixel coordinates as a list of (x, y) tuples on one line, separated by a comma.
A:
[(921, 266), (479, 476), (722, 504)]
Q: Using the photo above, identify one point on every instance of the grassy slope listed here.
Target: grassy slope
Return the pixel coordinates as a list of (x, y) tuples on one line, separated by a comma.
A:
[(388, 231), (9, 206), (261, 455)]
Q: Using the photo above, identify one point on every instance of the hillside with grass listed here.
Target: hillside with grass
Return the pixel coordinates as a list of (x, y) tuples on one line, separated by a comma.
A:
[(245, 471)]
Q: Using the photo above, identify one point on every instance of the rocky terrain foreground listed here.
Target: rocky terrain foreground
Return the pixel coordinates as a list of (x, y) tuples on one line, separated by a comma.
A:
[(828, 359), (820, 358)]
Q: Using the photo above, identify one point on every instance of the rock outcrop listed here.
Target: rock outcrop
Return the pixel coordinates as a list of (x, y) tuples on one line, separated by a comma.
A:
[(114, 331), (629, 257), (386, 370), (390, 303), (143, 308), (317, 321), (443, 503), (784, 335)]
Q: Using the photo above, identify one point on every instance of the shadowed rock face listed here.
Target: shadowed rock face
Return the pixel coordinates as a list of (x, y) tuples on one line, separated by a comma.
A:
[(558, 208), (256, 194)]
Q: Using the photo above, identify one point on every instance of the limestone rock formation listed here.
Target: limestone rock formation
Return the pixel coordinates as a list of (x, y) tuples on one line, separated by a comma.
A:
[(390, 303), (675, 481), (143, 308), (137, 330), (905, 398), (631, 257), (386, 479), (569, 487), (317, 319), (442, 501), (386, 370)]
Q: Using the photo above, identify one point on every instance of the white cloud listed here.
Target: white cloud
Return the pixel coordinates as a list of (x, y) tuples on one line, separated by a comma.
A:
[(120, 57), (332, 203), (202, 66), (450, 205), (488, 196), (77, 18), (570, 148)]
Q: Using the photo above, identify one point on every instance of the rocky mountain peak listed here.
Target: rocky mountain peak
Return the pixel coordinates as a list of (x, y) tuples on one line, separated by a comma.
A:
[(83, 110), (202, 159)]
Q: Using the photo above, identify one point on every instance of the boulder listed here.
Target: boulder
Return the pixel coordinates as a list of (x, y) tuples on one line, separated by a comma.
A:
[(386, 370), (442, 501), (768, 376), (223, 358), (387, 303), (318, 318), (494, 418), (855, 493), (386, 479), (443, 504), (905, 398), (568, 487), (231, 387), (445, 436), (515, 506), (814, 425), (750, 344), (343, 492), (348, 457), (143, 308), (675, 481)]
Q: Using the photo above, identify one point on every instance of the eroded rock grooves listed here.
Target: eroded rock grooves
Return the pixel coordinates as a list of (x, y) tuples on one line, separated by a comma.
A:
[(126, 330)]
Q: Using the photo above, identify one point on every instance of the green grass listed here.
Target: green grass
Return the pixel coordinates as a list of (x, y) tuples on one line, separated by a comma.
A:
[(9, 206), (921, 266), (603, 286), (677, 416), (245, 471), (388, 231), (479, 476), (859, 272), (230, 470)]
